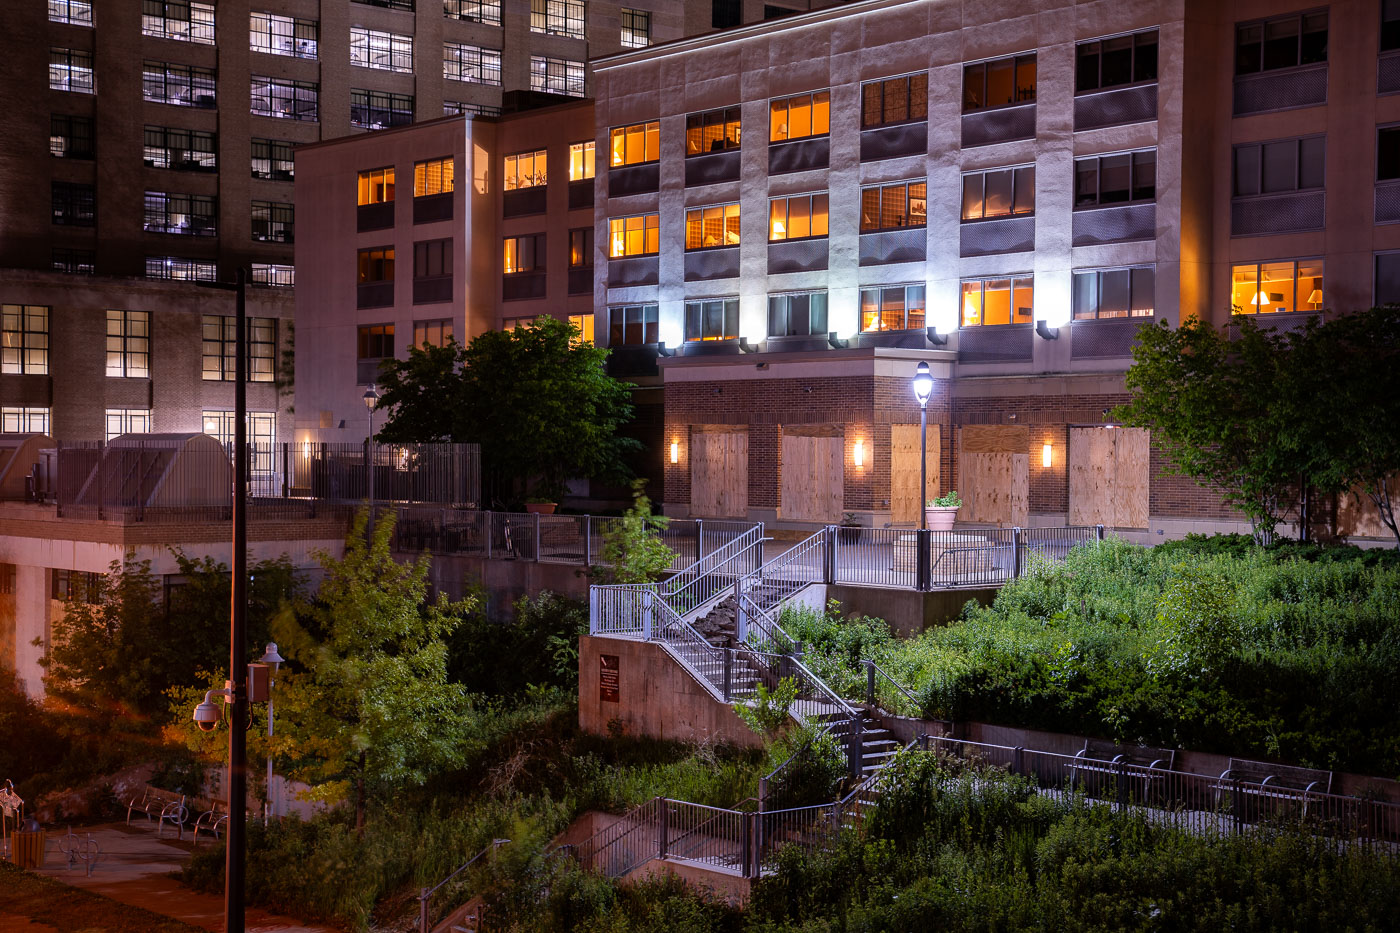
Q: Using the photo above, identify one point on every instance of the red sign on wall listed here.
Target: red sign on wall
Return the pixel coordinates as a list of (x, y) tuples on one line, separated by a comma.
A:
[(609, 680)]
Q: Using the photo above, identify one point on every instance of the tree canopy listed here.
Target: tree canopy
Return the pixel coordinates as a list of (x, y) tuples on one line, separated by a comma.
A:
[(536, 399)]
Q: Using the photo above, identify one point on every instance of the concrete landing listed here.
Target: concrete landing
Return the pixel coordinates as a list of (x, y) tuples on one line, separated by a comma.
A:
[(134, 868)]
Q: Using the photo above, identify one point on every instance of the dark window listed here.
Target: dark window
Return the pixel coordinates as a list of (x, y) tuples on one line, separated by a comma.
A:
[(1388, 153), (716, 319), (375, 341), (1004, 82), (1108, 293), (77, 586), (725, 14), (524, 254), (1390, 25), (797, 315), (632, 326), (1281, 42), (180, 149), (78, 261), (1116, 179), (479, 11), (74, 205), (376, 265), (1001, 193), (432, 258), (581, 248), (70, 137), (1106, 63), (389, 4), (377, 109), (272, 158), (713, 131), (1279, 166), (1387, 278), (894, 100), (272, 221)]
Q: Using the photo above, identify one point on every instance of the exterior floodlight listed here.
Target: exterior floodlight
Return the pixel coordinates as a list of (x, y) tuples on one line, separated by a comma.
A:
[(923, 384)]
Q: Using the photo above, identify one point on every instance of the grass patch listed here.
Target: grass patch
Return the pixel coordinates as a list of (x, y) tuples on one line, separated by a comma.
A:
[(63, 907)]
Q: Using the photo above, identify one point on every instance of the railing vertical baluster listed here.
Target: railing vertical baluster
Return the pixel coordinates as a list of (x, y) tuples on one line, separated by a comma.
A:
[(1098, 532), (588, 541), (537, 537), (829, 555), (923, 560), (728, 673), (647, 598), (870, 682), (663, 818), (1016, 553), (699, 539), (490, 528)]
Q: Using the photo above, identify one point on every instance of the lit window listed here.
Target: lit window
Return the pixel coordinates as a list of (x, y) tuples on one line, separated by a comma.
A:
[(581, 161), (70, 137), (584, 323), (434, 176), (185, 20), (1274, 287), (556, 75), (633, 325), (285, 100), (280, 275), (998, 301), (72, 12), (181, 149), (1128, 177), (375, 265), (1004, 82), (797, 216), (1110, 293), (21, 420), (376, 186), (272, 222), (432, 333), (1109, 63), (129, 344), (715, 319), (262, 433), (272, 158), (800, 116), (524, 254), (636, 29), (220, 346), (894, 100), (892, 207), (640, 142), (178, 85), (127, 421), (1001, 193), (581, 248), (452, 108), (70, 70), (183, 214), (24, 339), (183, 270), (390, 4), (374, 341), (1280, 166), (385, 51), (476, 11), (283, 35), (798, 314), (706, 227), (558, 17), (471, 63), (892, 307), (712, 131), (634, 236), (526, 170), (1281, 42)]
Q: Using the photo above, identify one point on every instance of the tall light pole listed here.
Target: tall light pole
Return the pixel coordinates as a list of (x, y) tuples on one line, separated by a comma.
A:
[(270, 657), (923, 388), (234, 863), (371, 399)]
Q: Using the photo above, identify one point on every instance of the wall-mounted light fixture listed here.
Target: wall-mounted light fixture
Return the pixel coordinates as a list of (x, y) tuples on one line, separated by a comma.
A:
[(1047, 454), (858, 453), (675, 451)]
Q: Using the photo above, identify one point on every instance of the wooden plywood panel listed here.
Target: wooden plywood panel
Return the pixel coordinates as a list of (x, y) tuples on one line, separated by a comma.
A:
[(719, 473), (1357, 515), (1108, 476), (994, 474), (813, 477), (995, 439), (905, 501)]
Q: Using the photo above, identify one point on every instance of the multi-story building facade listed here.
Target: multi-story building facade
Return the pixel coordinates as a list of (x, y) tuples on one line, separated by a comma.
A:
[(204, 103), (797, 212)]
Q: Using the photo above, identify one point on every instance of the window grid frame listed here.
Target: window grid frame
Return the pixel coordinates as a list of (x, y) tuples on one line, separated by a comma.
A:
[(487, 64), (909, 100), (908, 201), (880, 310), (1133, 186), (786, 200), (287, 36), (296, 94), (1017, 61), (1098, 314), (700, 216), (72, 71), (128, 344), (1012, 279), (24, 339), (1100, 87), (1015, 171), (650, 231), (377, 50), (197, 29)]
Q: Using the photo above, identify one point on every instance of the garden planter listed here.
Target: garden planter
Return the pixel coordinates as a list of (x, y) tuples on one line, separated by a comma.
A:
[(940, 517), (540, 508)]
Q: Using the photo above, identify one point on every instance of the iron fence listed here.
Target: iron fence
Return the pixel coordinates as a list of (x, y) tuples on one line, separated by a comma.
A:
[(917, 559)]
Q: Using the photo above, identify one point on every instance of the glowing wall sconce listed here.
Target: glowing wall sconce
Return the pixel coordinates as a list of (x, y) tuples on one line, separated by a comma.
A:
[(1047, 455), (675, 452), (858, 453)]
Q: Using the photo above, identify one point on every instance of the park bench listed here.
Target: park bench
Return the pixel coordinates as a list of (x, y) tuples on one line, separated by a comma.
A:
[(212, 818), (1260, 789), (1136, 768), (159, 805)]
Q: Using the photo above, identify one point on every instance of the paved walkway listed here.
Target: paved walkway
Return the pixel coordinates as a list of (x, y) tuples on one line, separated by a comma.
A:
[(134, 867)]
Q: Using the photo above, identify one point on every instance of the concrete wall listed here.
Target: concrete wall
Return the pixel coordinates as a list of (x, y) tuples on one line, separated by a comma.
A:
[(657, 698), (505, 581)]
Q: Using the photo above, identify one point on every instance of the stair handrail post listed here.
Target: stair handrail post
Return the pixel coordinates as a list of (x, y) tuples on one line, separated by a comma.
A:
[(741, 620), (869, 682), (423, 911), (728, 673), (1016, 553), (750, 866), (855, 747), (829, 555), (662, 818), (923, 560), (489, 528), (1098, 533), (648, 597), (588, 541), (699, 539), (537, 537)]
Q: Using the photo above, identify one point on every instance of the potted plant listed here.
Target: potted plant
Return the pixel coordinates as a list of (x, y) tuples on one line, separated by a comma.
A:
[(939, 513), (538, 504), (849, 529)]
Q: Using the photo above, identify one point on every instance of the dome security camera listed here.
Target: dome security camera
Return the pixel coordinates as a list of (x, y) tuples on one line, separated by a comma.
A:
[(207, 714)]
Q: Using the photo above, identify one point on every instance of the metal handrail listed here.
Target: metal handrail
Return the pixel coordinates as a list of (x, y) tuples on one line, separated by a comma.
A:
[(704, 580), (873, 672), (424, 925), (754, 616), (782, 560)]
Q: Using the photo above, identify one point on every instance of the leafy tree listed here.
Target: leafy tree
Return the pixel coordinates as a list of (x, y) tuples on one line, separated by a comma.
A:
[(121, 646), (1227, 412), (541, 641), (536, 399), (633, 552)]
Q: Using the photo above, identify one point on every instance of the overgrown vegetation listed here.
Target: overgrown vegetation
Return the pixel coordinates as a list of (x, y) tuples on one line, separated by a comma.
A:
[(633, 552), (1200, 644)]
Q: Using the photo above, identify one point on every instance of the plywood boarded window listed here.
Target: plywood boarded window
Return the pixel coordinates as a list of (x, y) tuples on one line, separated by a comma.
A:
[(994, 474), (1108, 477), (905, 501), (813, 468), (719, 471), (1357, 515)]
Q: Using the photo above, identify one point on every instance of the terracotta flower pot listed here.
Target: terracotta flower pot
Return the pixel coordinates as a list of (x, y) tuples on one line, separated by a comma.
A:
[(940, 517), (542, 508)]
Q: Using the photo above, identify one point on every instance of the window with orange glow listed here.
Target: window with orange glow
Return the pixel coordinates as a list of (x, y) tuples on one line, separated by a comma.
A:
[(998, 301), (798, 216), (376, 186), (634, 236)]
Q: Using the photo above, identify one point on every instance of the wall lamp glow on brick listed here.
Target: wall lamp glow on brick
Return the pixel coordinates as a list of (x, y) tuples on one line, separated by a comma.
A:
[(675, 451), (858, 453), (1047, 455)]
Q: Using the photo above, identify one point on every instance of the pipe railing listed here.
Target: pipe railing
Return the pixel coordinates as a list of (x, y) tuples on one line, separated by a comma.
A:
[(884, 692), (425, 895)]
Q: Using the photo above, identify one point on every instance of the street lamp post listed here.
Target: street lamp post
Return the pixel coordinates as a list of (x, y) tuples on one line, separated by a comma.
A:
[(371, 399), (270, 657), (923, 388)]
